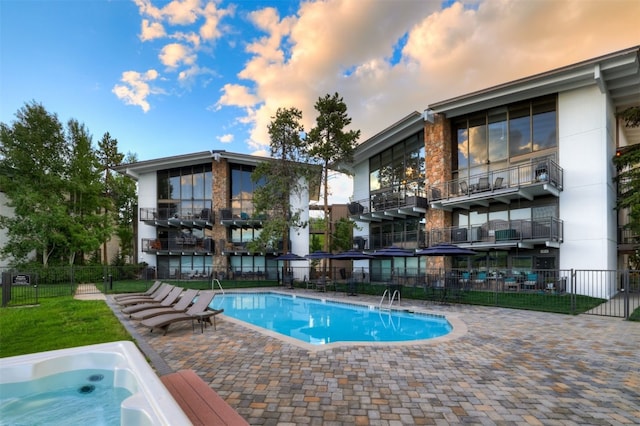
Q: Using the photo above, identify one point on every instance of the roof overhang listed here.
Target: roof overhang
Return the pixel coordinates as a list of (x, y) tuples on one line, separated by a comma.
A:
[(390, 136), (617, 74)]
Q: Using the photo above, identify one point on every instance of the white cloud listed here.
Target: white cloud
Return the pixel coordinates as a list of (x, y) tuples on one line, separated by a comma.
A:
[(175, 54), (228, 138), (151, 30), (136, 88)]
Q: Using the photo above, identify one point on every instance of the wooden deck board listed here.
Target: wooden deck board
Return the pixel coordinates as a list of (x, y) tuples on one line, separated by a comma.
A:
[(200, 403)]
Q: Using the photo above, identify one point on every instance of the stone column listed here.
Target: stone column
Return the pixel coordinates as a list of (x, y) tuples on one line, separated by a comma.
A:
[(220, 200), (438, 158)]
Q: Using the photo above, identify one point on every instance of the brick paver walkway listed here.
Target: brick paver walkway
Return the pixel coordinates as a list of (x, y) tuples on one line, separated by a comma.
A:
[(510, 367)]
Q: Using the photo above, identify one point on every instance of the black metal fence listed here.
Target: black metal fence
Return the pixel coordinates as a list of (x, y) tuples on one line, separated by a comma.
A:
[(25, 286), (595, 292)]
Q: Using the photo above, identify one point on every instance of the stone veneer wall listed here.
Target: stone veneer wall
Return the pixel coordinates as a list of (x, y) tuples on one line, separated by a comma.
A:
[(220, 200), (438, 157)]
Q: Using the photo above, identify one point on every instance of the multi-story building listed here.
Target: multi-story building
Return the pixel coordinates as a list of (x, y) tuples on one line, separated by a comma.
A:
[(196, 216), (521, 172)]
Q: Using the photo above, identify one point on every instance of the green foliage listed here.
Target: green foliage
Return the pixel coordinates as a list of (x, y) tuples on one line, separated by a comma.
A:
[(54, 183), (329, 144), (33, 157), (627, 162), (280, 178), (342, 236)]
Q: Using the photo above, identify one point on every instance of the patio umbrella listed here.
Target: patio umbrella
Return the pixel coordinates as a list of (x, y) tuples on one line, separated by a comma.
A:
[(352, 254), (391, 252), (289, 257), (446, 249), (318, 254)]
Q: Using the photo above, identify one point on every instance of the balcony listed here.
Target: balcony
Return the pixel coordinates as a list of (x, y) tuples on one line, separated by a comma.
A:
[(628, 240), (539, 177), (502, 234), (185, 244), (177, 218), (408, 239), (237, 218), (389, 205)]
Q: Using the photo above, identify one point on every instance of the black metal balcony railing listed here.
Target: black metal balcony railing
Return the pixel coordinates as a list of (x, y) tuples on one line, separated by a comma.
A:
[(407, 239), (154, 214), (183, 244), (539, 172), (396, 199), (499, 232)]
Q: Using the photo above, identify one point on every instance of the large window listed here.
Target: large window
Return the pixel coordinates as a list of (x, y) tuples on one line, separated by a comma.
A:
[(488, 140), (242, 188), (184, 192), (399, 168)]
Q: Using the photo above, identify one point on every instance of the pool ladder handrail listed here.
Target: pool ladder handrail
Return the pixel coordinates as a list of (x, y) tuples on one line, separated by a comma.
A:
[(216, 281), (391, 297)]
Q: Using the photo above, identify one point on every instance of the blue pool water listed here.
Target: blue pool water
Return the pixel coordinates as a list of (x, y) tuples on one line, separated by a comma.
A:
[(320, 322), (78, 397)]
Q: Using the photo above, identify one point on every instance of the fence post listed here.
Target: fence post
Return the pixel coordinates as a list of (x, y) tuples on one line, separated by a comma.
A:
[(626, 290), (573, 291), (6, 288)]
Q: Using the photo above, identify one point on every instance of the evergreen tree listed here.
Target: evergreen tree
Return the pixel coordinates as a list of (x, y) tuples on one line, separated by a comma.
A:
[(279, 178), (329, 144), (85, 228)]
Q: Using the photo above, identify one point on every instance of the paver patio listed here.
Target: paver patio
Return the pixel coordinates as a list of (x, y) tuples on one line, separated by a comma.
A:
[(510, 367)]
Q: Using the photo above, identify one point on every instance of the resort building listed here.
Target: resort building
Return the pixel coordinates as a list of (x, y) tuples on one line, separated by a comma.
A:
[(521, 172), (196, 216)]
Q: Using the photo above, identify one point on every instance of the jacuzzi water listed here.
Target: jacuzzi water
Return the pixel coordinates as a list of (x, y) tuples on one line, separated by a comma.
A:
[(105, 384), (77, 397)]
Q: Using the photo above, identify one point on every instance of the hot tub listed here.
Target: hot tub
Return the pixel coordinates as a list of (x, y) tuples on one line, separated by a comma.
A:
[(149, 402)]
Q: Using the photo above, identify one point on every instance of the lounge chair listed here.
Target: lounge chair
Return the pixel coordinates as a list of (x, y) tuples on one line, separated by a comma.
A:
[(181, 306), (159, 296), (171, 298), (149, 292), (198, 311)]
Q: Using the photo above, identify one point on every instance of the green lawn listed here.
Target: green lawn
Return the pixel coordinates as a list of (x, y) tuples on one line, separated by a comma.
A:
[(57, 323)]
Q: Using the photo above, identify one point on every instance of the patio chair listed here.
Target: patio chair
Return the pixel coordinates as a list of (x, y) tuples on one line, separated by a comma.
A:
[(483, 184), (186, 299), (510, 283), (480, 280), (498, 183), (149, 292), (171, 298), (464, 188), (531, 282), (198, 311), (162, 292)]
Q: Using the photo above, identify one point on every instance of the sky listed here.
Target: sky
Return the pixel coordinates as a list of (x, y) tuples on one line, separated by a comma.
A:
[(175, 77)]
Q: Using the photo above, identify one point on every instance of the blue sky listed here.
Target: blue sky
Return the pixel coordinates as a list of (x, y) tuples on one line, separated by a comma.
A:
[(174, 77)]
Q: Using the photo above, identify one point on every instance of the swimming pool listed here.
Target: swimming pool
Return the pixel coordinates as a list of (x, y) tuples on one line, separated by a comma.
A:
[(321, 322), (86, 376)]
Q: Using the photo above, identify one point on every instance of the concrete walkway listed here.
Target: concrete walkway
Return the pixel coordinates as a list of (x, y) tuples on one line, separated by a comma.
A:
[(503, 367)]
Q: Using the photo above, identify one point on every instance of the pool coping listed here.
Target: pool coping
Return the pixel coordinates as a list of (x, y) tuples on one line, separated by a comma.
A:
[(458, 327)]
